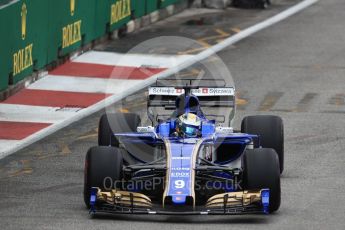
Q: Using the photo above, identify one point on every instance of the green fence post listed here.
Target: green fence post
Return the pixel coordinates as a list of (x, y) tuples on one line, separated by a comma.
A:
[(138, 8), (165, 3), (102, 17)]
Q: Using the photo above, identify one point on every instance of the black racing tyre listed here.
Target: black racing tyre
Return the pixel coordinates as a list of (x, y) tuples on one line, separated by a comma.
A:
[(264, 4), (261, 170), (116, 123), (103, 167), (271, 133)]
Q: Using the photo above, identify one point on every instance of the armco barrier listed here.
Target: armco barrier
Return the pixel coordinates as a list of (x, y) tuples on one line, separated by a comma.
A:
[(35, 33)]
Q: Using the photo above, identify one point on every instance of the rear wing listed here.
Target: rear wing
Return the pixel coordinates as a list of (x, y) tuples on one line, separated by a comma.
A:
[(217, 103)]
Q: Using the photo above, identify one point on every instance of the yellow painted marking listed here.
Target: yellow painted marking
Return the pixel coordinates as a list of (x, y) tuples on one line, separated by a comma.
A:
[(44, 157), (221, 35), (87, 137), (136, 105), (25, 169), (21, 172), (24, 162), (206, 42), (123, 110), (191, 51), (338, 99), (270, 100), (302, 106), (65, 150), (39, 152), (236, 29), (317, 67), (203, 43), (240, 101), (222, 32)]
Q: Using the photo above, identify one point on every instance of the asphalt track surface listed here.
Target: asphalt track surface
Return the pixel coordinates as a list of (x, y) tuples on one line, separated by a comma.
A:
[(294, 69)]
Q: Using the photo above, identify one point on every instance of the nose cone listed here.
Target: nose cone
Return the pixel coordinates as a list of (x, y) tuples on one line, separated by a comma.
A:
[(179, 199)]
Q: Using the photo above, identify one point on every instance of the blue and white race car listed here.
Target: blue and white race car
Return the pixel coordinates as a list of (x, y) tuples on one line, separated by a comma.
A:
[(187, 161)]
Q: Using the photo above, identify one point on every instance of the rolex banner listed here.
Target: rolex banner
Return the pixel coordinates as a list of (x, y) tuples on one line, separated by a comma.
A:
[(35, 33)]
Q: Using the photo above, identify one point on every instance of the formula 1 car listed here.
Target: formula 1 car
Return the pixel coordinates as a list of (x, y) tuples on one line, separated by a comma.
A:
[(189, 160)]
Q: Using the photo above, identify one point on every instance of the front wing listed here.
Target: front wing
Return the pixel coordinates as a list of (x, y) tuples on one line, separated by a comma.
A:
[(232, 203)]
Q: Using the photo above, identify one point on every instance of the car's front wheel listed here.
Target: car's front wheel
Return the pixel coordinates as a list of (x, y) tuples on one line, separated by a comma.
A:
[(103, 168), (260, 171)]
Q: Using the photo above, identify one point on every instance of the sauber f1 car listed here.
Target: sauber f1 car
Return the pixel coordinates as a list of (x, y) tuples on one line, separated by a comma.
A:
[(189, 160)]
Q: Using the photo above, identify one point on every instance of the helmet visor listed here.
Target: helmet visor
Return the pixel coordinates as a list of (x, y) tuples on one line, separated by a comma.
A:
[(190, 131)]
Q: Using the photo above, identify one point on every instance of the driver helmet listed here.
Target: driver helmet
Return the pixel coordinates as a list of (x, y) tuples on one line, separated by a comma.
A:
[(188, 125)]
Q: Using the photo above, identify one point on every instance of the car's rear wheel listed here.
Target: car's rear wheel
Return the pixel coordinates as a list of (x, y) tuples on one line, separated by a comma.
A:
[(116, 123), (261, 170), (103, 168), (270, 130)]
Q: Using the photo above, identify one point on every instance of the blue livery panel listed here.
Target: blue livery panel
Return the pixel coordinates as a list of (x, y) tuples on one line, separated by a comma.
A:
[(180, 173)]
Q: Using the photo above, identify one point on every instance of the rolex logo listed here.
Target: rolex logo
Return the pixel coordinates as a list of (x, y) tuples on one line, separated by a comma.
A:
[(24, 14), (72, 5)]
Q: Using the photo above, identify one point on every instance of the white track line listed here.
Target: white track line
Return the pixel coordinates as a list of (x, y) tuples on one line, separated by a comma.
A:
[(36, 114), (192, 60), (7, 145), (132, 60), (83, 84)]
